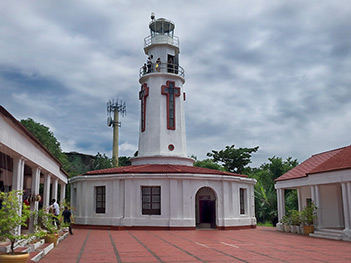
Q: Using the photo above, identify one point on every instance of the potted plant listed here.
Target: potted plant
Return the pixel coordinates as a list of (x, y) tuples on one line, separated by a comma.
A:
[(286, 223), (45, 222), (11, 221), (309, 215), (295, 221)]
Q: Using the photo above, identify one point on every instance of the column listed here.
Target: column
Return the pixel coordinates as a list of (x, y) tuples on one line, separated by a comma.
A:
[(63, 192), (346, 206), (313, 196), (47, 182), (54, 188), (35, 191), (281, 203), (17, 180), (225, 203), (188, 202), (278, 205), (252, 206), (18, 174), (173, 200), (299, 199), (318, 204), (128, 205)]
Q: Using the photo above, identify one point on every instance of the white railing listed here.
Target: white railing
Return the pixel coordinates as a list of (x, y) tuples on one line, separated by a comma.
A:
[(161, 39), (161, 68)]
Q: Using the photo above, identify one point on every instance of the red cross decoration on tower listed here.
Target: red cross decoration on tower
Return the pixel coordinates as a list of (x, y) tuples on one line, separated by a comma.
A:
[(144, 92), (171, 92)]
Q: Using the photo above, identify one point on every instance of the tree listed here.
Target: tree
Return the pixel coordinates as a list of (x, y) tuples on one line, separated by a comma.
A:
[(208, 163), (265, 194), (102, 161), (124, 161), (234, 160), (47, 138), (11, 219)]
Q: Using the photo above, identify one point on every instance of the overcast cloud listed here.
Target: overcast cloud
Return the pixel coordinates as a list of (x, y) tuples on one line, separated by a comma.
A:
[(273, 74)]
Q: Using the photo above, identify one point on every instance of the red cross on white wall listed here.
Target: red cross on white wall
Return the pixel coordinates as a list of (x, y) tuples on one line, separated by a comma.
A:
[(171, 92)]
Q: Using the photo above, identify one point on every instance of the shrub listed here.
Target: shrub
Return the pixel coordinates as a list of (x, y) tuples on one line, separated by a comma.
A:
[(11, 220)]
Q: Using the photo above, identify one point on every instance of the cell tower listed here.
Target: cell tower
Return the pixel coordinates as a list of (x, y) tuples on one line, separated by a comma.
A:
[(116, 106)]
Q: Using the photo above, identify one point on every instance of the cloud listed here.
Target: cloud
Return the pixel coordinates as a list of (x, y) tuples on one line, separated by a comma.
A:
[(258, 73)]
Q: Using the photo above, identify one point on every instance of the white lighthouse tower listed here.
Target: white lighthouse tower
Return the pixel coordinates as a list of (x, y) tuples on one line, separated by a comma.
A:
[(162, 189), (162, 138)]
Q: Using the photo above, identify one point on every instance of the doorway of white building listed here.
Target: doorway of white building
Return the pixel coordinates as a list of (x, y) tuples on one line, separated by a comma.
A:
[(205, 207)]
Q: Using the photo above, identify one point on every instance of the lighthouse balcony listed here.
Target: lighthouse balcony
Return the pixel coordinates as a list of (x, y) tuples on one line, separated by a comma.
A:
[(161, 39), (161, 68)]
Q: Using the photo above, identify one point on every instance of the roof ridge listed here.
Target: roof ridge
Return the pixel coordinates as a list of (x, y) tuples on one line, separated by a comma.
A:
[(338, 149), (161, 168), (332, 159)]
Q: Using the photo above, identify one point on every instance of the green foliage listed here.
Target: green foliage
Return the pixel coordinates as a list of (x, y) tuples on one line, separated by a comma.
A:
[(267, 223), (265, 193), (45, 221), (291, 202), (234, 160), (309, 214), (286, 220), (81, 163), (208, 163), (124, 161), (295, 217), (11, 219), (102, 162), (47, 138)]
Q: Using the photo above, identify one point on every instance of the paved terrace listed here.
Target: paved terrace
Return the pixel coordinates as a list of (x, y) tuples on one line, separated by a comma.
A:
[(263, 244)]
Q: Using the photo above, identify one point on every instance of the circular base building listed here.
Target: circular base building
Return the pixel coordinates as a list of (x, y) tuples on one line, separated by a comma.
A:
[(161, 189)]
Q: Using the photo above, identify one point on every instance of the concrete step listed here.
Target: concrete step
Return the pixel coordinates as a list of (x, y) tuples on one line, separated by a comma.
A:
[(37, 249), (6, 246), (40, 252), (328, 234), (45, 248)]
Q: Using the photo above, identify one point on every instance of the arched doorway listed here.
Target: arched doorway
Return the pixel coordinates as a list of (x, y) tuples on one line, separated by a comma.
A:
[(205, 208)]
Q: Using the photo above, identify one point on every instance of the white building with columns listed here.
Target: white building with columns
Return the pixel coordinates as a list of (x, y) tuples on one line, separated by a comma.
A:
[(325, 179), (25, 164), (161, 189)]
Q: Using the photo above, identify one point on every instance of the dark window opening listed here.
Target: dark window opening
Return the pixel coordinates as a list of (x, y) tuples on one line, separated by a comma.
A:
[(151, 200), (242, 200), (100, 199)]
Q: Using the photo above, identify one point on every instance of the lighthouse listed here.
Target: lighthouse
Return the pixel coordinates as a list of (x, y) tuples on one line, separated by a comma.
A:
[(162, 137), (162, 189)]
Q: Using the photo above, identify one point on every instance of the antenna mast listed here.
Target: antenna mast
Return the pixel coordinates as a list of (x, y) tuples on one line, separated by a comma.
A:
[(116, 106)]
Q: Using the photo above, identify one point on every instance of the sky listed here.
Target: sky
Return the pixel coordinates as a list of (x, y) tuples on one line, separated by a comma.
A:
[(273, 74)]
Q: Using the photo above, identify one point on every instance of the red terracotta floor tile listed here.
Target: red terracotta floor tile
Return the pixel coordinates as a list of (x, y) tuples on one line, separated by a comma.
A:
[(262, 244)]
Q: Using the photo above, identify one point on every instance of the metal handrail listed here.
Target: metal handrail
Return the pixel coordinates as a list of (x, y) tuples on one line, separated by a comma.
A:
[(161, 39), (162, 68)]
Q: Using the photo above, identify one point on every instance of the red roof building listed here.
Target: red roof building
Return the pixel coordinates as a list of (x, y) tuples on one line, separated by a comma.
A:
[(25, 163), (161, 169), (324, 179)]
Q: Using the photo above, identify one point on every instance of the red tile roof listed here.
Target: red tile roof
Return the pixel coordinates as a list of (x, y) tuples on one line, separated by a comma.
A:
[(160, 168), (333, 160), (340, 161), (12, 119)]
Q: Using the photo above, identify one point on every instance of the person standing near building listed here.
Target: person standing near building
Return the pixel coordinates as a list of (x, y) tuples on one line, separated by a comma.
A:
[(56, 208), (67, 218)]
